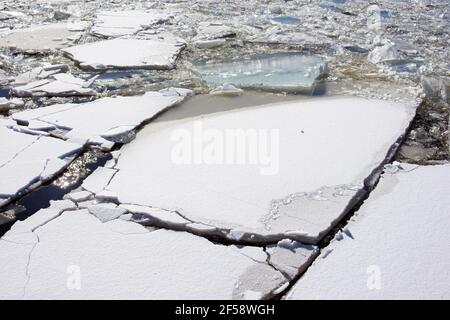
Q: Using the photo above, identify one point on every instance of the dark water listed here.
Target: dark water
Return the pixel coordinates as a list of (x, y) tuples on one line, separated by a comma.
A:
[(4, 92)]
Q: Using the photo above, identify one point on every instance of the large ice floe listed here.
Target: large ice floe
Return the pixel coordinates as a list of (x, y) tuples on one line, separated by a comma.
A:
[(155, 53), (27, 160), (127, 22), (278, 71), (313, 161), (411, 260), (112, 119), (80, 257)]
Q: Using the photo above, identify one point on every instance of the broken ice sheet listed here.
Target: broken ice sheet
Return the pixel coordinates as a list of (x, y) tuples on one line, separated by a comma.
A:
[(126, 22), (28, 160), (112, 119), (278, 71), (321, 153), (409, 208), (127, 53), (135, 263)]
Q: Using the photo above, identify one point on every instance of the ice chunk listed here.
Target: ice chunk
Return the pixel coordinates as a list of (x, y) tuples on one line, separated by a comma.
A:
[(279, 71)]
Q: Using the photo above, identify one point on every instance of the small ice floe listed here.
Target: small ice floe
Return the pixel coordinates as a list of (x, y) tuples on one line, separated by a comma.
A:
[(404, 220), (126, 22), (112, 119), (38, 38), (227, 90), (61, 85), (157, 53), (280, 71)]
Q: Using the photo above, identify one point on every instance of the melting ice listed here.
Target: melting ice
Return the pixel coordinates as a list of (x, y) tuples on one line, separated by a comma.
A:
[(282, 71)]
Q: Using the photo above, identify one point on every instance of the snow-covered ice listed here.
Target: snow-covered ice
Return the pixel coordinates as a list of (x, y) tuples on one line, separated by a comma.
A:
[(398, 247), (80, 257), (111, 119), (318, 166), (127, 53), (39, 38), (127, 22)]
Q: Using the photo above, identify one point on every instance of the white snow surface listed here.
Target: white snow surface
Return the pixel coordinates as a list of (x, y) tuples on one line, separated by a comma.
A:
[(327, 147), (75, 256), (399, 248)]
